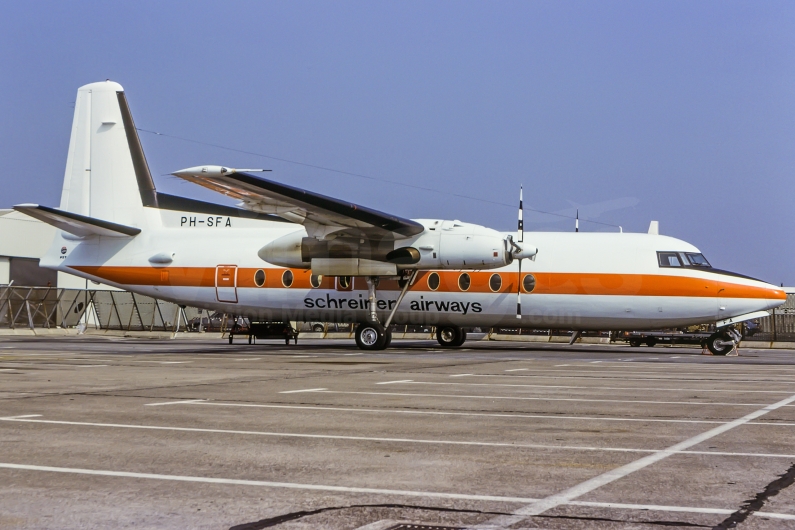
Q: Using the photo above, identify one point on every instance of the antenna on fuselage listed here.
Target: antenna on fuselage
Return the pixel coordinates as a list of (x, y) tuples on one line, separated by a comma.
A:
[(577, 221)]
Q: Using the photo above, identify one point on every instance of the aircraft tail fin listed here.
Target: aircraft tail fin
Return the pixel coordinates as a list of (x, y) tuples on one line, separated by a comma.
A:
[(106, 176)]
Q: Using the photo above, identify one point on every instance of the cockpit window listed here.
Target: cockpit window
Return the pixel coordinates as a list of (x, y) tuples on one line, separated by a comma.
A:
[(668, 259), (697, 260), (682, 259)]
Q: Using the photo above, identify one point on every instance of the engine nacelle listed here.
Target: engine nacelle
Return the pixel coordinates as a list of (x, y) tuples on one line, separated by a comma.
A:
[(443, 245), (458, 245)]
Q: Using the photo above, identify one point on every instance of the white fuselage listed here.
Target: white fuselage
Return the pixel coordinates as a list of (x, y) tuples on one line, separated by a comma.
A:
[(583, 281)]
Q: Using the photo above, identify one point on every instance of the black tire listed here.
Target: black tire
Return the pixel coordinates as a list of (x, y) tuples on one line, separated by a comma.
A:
[(450, 336), (387, 338), (317, 328), (462, 337), (370, 336), (230, 338), (715, 348), (635, 343), (249, 339), (650, 342)]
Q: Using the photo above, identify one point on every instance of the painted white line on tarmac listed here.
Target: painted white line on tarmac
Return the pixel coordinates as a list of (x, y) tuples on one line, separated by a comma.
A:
[(174, 402), (85, 365), (376, 491), (460, 375), (513, 445), (304, 390), (254, 359), (9, 369), (568, 495), (571, 387), (172, 362), (526, 398), (517, 370), (287, 485), (440, 413), (622, 376), (392, 382), (682, 509)]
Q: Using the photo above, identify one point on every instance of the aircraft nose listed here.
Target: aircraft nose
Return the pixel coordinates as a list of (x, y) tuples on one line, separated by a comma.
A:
[(775, 296)]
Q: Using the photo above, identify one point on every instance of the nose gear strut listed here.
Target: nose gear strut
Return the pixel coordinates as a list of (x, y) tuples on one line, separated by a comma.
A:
[(724, 341)]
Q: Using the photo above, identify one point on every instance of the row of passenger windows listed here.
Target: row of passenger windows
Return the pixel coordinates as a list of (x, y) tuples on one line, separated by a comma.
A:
[(344, 282), (495, 282), (682, 259)]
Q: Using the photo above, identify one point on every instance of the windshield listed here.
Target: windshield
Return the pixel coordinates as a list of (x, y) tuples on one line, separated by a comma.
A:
[(668, 259), (697, 260), (682, 259)]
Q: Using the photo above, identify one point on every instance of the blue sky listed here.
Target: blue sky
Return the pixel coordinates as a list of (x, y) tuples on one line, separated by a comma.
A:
[(683, 112)]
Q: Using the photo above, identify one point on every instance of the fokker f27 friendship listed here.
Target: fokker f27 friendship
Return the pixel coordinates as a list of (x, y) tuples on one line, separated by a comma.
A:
[(291, 254)]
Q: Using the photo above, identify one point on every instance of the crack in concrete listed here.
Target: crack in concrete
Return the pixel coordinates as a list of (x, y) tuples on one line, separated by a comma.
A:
[(676, 524), (279, 519), (756, 504)]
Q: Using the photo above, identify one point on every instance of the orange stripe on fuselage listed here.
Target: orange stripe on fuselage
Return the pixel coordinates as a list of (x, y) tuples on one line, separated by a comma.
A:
[(572, 283)]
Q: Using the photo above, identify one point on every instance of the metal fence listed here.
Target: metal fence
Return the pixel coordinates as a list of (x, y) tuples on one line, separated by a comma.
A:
[(49, 307), (780, 325)]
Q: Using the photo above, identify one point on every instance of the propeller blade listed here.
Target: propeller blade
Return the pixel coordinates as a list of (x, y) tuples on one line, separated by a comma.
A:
[(521, 220), (519, 293), (521, 239)]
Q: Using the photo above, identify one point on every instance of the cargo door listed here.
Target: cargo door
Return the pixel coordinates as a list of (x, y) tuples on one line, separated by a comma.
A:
[(226, 283)]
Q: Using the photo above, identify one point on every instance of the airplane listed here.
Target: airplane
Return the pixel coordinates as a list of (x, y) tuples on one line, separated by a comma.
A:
[(289, 254)]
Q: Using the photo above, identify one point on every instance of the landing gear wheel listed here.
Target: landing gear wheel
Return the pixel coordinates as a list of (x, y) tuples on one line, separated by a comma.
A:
[(450, 336), (716, 343), (249, 339), (230, 338), (650, 342), (370, 336), (635, 343), (387, 338)]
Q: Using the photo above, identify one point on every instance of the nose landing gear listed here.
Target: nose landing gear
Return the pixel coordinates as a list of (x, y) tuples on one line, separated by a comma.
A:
[(724, 341)]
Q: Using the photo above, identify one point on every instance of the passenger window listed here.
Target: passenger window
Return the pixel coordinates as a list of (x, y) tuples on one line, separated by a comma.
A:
[(668, 259), (495, 282), (433, 281), (464, 282)]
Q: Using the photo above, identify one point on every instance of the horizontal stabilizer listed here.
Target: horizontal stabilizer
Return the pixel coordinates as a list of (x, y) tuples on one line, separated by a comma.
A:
[(79, 225)]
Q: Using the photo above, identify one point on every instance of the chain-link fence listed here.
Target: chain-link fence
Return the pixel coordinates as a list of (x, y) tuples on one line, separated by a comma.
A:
[(48, 307)]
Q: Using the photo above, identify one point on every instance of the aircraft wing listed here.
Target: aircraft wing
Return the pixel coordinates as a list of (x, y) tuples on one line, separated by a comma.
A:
[(322, 215)]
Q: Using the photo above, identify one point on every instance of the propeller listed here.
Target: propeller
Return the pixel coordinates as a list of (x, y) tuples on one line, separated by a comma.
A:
[(519, 249), (518, 252)]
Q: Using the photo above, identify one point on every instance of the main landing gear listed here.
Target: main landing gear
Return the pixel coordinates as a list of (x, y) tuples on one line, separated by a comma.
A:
[(724, 341), (450, 336), (372, 335)]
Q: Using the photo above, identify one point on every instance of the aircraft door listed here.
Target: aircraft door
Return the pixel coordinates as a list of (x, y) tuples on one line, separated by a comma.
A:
[(226, 283)]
